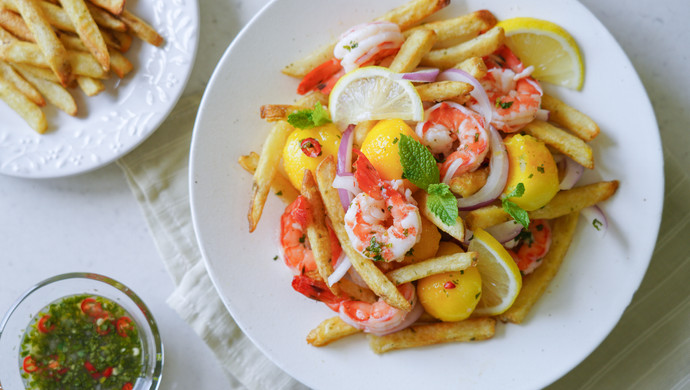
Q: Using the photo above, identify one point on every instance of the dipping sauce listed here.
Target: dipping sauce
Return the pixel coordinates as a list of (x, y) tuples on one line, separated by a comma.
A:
[(81, 342)]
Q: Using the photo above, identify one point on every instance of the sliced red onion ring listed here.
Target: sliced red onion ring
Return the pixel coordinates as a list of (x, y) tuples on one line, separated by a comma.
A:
[(341, 268), (497, 179), (344, 164), (478, 93), (572, 174), (346, 181), (542, 115), (505, 232), (596, 218), (421, 76)]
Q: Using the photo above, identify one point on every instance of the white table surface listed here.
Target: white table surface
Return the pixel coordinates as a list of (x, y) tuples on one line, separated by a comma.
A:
[(92, 222)]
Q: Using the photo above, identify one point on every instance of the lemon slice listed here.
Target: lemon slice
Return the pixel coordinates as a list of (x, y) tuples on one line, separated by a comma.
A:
[(547, 46), (501, 279), (373, 93)]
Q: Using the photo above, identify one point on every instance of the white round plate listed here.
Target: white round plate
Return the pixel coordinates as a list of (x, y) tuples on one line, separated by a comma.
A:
[(117, 120), (580, 307)]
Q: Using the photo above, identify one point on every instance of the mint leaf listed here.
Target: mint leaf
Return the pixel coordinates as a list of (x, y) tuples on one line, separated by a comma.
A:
[(513, 209), (442, 203), (306, 119), (419, 165)]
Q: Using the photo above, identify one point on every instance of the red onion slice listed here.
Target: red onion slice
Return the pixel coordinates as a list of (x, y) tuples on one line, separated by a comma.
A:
[(341, 268), (478, 92), (542, 115), (497, 179), (344, 164), (596, 218), (505, 232), (572, 174), (421, 76)]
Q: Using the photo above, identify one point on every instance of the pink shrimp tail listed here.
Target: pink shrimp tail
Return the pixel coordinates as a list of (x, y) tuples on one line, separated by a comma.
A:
[(316, 290), (367, 177)]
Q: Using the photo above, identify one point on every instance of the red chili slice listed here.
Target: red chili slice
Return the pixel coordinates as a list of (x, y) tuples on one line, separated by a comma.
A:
[(123, 326), (310, 147), (127, 386), (30, 364), (108, 372), (89, 367), (91, 307), (105, 325), (449, 285), (42, 324)]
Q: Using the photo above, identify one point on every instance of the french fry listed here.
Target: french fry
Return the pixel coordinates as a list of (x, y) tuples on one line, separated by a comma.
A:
[(266, 169), (317, 231), (456, 230), (115, 7), (472, 329), (468, 183), (54, 92), (361, 130), (90, 86), (26, 109), (23, 86), (104, 19), (355, 292), (280, 184), (412, 50), (486, 216), (535, 284), (443, 90), (43, 73), (88, 31), (14, 23), (450, 32), (274, 112), (29, 53), (121, 41), (119, 64), (55, 53), (411, 14), (436, 265), (562, 141), (374, 278), (480, 46), (301, 67), (475, 66), (570, 118), (330, 330), (576, 199), (140, 28)]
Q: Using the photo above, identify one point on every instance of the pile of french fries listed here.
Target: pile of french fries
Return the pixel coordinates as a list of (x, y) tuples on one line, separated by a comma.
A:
[(461, 43), (48, 46)]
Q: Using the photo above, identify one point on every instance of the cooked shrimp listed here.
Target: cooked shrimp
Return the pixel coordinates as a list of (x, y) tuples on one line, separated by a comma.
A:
[(368, 43), (293, 238), (382, 224), (533, 247), (458, 134), (515, 96)]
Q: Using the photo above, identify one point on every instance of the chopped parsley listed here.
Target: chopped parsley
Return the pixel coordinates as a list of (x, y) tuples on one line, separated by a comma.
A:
[(504, 105), (351, 46), (597, 224)]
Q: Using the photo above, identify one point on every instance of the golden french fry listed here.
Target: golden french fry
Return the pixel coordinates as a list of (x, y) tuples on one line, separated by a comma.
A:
[(355, 292), (329, 331), (53, 50), (457, 230), (104, 19), (450, 32), (43, 73), (475, 66), (317, 231), (266, 169), (534, 284), (562, 141), (140, 28), (374, 278), (570, 118), (121, 41), (472, 329), (275, 112), (90, 86), (412, 50), (115, 7), (411, 14), (468, 183), (443, 90), (361, 130), (480, 46), (88, 31), (27, 109), (54, 92), (29, 53), (301, 67), (23, 86), (280, 185), (486, 216), (576, 199), (119, 64), (14, 23), (436, 265)]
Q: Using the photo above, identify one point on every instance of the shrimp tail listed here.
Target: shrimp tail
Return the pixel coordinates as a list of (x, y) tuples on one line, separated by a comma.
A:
[(367, 177), (316, 290)]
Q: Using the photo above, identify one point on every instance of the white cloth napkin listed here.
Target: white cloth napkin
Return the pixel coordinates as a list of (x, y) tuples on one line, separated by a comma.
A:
[(157, 172)]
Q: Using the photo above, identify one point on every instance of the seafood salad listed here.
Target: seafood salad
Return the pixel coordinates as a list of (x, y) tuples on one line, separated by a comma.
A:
[(426, 181)]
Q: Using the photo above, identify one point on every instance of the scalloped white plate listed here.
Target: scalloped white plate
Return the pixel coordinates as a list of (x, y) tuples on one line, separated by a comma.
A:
[(582, 304), (117, 120)]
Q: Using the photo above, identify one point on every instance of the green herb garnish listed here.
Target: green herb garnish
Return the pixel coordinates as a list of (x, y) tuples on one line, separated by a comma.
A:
[(515, 211), (443, 203), (306, 119), (419, 165)]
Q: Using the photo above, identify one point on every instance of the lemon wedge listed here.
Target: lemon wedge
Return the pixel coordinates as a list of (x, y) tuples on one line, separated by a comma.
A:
[(373, 93), (548, 47), (501, 279)]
